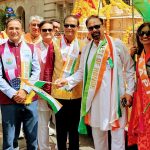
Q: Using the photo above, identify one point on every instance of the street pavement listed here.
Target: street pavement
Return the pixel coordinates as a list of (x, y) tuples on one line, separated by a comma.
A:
[(86, 142)]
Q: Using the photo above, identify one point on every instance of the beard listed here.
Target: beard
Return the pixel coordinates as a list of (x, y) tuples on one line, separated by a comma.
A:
[(96, 35)]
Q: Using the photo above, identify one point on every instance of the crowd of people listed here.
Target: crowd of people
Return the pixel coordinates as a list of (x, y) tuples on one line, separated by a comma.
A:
[(93, 79)]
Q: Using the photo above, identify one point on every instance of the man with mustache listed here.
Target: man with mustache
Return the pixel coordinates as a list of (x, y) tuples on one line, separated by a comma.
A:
[(101, 69)]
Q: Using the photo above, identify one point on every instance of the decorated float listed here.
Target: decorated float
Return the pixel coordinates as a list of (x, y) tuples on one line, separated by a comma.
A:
[(121, 20)]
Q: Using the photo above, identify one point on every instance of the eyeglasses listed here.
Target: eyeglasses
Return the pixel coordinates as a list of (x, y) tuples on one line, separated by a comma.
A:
[(142, 33), (94, 27), (45, 30), (35, 24), (70, 25)]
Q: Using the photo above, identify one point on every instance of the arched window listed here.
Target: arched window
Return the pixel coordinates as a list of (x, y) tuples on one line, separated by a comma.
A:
[(20, 13)]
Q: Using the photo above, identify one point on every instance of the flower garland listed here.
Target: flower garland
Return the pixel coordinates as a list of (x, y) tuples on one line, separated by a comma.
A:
[(128, 31), (106, 10), (82, 9)]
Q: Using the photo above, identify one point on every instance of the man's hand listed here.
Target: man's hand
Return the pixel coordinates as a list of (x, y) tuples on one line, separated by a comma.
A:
[(20, 96), (128, 99), (61, 82)]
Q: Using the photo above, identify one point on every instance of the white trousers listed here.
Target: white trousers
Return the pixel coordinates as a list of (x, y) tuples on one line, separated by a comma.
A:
[(101, 139), (43, 130)]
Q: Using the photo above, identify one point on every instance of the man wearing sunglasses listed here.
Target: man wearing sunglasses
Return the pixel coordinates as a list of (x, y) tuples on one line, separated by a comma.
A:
[(101, 69), (67, 51), (33, 37), (44, 112)]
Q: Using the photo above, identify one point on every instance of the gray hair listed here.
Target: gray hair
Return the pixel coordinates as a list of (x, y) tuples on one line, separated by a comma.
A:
[(40, 19)]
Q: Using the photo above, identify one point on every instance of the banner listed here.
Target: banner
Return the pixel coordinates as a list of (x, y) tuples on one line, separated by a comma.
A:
[(143, 7)]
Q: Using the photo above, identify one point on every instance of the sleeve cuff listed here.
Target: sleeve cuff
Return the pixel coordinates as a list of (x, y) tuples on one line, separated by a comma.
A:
[(27, 88), (130, 93), (11, 92)]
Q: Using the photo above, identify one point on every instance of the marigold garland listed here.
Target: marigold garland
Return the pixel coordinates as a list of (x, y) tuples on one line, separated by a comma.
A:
[(128, 31), (83, 9)]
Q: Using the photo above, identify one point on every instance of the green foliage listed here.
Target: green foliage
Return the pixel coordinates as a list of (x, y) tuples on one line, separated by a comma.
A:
[(2, 20)]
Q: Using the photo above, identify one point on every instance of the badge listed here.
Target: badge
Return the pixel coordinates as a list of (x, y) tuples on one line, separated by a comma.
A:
[(9, 61), (110, 62)]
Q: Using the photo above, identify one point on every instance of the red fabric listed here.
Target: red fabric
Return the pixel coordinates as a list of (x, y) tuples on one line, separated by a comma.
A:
[(49, 67), (91, 3), (139, 125), (147, 56), (16, 51)]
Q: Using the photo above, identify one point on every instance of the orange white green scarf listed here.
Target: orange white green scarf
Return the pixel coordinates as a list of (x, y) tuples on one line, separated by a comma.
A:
[(9, 62), (70, 57), (93, 79)]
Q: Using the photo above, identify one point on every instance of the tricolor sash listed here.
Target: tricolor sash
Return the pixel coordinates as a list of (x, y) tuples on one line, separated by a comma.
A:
[(70, 58), (9, 62), (26, 60), (93, 79)]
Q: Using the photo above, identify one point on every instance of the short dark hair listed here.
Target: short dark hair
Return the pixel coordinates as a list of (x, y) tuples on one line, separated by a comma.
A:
[(72, 16), (93, 16), (12, 19), (55, 20), (44, 22)]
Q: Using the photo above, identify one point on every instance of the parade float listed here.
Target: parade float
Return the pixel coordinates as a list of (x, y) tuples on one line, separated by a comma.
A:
[(121, 20)]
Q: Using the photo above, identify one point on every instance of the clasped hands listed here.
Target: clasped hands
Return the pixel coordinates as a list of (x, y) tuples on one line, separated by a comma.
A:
[(20, 96)]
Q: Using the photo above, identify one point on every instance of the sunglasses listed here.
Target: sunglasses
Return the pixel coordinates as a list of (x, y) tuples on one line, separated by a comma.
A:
[(69, 25), (94, 27), (142, 33), (45, 30)]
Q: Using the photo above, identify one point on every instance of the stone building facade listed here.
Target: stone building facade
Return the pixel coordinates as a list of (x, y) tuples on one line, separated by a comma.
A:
[(48, 9)]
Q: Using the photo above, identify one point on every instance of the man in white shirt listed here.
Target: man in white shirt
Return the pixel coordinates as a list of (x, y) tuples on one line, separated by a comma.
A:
[(101, 69)]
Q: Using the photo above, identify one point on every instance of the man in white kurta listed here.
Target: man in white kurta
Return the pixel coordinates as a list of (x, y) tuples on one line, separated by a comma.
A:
[(102, 106)]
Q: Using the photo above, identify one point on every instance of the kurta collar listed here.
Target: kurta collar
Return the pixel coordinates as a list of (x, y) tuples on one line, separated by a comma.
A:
[(14, 44)]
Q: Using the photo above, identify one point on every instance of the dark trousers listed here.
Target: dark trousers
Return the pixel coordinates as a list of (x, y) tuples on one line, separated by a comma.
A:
[(67, 121), (12, 116)]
